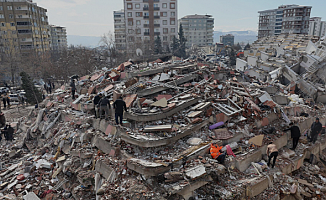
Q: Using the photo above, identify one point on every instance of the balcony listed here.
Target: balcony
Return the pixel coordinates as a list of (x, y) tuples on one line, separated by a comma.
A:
[(146, 17), (145, 1), (146, 33), (156, 0), (146, 25), (157, 33), (145, 8), (157, 25), (156, 8), (156, 17)]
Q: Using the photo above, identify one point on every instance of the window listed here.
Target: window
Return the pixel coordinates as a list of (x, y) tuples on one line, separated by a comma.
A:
[(129, 5), (164, 14), (137, 5), (130, 23), (165, 38), (147, 30), (172, 22), (130, 31), (164, 5), (18, 8), (1, 8), (20, 16), (3, 24), (172, 14), (11, 16), (12, 24), (139, 14), (156, 14), (165, 22), (9, 7), (156, 30), (172, 30), (146, 22), (146, 14), (129, 14), (155, 5), (138, 31), (172, 5), (137, 22), (2, 16), (165, 30)]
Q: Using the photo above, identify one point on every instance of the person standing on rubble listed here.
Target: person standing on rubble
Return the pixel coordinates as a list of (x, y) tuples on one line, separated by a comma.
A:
[(73, 88), (216, 153), (105, 106), (96, 100), (316, 128), (119, 105), (4, 101), (8, 101), (295, 135), (272, 152)]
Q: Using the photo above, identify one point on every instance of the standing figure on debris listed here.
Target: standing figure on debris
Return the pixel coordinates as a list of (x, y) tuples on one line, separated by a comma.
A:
[(271, 152), (105, 106), (9, 132), (216, 153), (316, 128), (2, 120), (295, 134), (119, 105), (96, 100), (73, 88), (4, 101)]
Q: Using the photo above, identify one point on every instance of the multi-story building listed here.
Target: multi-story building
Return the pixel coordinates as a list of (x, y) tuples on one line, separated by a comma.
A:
[(198, 29), (317, 27), (147, 19), (285, 19), (120, 29), (227, 39), (23, 26), (58, 38)]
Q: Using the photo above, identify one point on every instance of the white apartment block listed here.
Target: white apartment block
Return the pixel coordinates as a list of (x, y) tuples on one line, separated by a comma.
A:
[(198, 30), (58, 38), (120, 30), (286, 19), (147, 19), (317, 27)]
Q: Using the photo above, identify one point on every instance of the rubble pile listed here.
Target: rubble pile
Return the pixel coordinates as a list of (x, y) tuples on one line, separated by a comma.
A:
[(175, 112)]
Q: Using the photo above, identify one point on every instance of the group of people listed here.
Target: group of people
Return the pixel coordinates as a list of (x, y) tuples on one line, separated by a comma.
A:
[(6, 101), (49, 87), (102, 105), (272, 151)]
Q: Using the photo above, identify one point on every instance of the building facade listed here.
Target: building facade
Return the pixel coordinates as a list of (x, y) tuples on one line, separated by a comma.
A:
[(120, 30), (24, 27), (227, 39), (286, 19), (58, 38), (317, 27), (147, 19), (198, 30)]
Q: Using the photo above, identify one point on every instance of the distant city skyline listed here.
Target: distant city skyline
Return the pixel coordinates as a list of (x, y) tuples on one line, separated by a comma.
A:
[(94, 18)]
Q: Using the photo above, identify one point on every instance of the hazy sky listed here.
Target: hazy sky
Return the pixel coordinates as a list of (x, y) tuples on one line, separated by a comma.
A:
[(95, 17)]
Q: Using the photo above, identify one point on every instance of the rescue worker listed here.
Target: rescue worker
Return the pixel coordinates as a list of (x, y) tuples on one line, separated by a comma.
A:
[(295, 135), (216, 153), (96, 100), (119, 105), (272, 152), (316, 128), (105, 106)]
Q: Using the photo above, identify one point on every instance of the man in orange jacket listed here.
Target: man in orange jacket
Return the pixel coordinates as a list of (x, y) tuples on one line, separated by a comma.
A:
[(216, 153)]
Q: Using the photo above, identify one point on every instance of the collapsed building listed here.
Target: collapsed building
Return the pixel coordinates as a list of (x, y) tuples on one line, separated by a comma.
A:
[(175, 112)]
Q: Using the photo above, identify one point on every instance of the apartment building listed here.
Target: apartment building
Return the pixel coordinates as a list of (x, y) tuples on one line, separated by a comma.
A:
[(58, 38), (198, 30), (317, 27), (227, 39), (23, 27), (147, 19), (120, 30), (286, 19)]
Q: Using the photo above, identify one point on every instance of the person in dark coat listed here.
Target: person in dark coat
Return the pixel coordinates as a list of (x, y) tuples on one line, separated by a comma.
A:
[(105, 106), (10, 133), (316, 128), (119, 105), (4, 101), (295, 134), (96, 100), (73, 88), (8, 101)]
